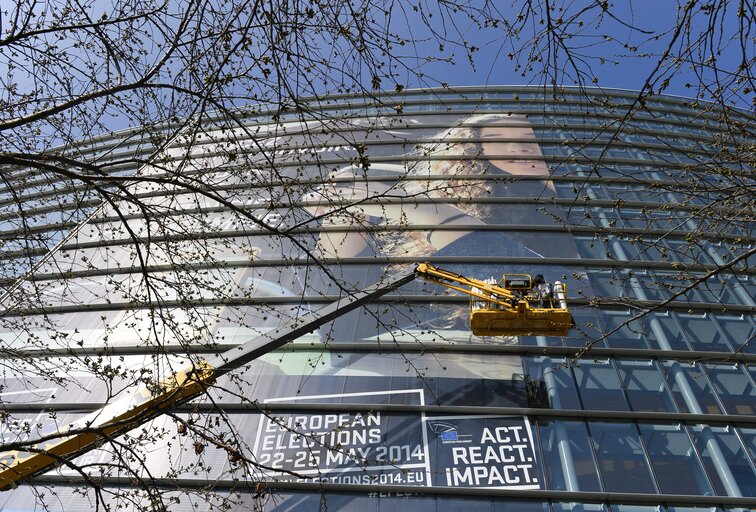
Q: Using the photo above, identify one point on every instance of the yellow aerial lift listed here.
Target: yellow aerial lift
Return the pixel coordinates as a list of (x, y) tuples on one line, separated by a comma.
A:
[(512, 306), (507, 308)]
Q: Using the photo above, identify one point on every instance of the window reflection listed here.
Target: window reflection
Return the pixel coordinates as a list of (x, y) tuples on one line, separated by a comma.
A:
[(552, 384), (724, 458), (734, 388), (621, 458), (644, 386), (621, 331), (445, 379), (599, 386), (587, 328), (568, 458), (703, 333), (749, 439), (665, 333), (579, 507), (690, 388), (740, 330), (675, 465)]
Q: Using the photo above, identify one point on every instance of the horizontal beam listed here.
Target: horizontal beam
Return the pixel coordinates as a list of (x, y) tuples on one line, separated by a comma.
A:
[(254, 486), (748, 421)]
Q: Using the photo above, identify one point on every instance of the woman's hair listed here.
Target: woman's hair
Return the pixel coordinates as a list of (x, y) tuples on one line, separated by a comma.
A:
[(455, 152), (443, 167)]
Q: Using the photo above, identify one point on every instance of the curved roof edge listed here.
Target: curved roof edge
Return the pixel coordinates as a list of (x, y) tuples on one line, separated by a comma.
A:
[(588, 90)]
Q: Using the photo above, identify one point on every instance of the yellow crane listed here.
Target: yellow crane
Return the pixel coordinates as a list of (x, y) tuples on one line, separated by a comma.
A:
[(506, 308), (513, 306)]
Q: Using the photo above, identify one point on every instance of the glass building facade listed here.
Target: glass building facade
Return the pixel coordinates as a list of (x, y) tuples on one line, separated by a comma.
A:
[(647, 405)]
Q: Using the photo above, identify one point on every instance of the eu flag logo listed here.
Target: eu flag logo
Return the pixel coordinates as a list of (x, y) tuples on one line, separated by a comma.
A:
[(449, 436)]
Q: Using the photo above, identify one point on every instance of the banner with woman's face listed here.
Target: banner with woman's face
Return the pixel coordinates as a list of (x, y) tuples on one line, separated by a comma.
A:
[(363, 195)]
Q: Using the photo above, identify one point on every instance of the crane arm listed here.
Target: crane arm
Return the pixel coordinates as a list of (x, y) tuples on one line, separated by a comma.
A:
[(507, 308), (477, 288), (147, 402), (507, 314)]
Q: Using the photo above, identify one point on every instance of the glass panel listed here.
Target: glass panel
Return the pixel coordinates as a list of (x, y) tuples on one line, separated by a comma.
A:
[(691, 388), (692, 509), (743, 285), (386, 502), (589, 247), (656, 286), (749, 437), (665, 333), (504, 505), (448, 379), (734, 388), (717, 290), (687, 252), (587, 328), (620, 457), (740, 330), (578, 507), (552, 385), (703, 333), (676, 466), (636, 508), (630, 249), (88, 499), (567, 456), (599, 386), (626, 336), (605, 283), (644, 386), (723, 455)]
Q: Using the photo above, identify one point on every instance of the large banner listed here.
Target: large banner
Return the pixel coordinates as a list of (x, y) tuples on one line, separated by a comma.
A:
[(483, 451), (397, 448)]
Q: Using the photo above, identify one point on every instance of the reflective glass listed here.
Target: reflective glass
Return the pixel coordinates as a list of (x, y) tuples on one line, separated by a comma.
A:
[(579, 507), (552, 384), (740, 330), (703, 333), (589, 247), (621, 331), (690, 388), (605, 283), (734, 387), (664, 332), (621, 507), (621, 459), (599, 386), (645, 386), (725, 460), (364, 377), (587, 328), (504, 505), (719, 290), (749, 438), (650, 287), (671, 508), (629, 250), (568, 458), (675, 465), (743, 286)]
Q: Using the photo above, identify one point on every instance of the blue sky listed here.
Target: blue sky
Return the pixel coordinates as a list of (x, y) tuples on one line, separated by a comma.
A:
[(618, 46), (645, 26)]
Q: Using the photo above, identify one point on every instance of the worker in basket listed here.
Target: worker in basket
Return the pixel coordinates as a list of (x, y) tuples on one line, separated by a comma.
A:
[(543, 291)]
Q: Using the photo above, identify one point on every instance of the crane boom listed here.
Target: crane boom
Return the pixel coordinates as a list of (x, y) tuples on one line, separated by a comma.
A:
[(147, 402), (507, 308), (495, 310)]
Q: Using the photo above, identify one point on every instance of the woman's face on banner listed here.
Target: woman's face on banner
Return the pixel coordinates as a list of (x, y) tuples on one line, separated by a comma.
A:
[(385, 208), (506, 155)]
